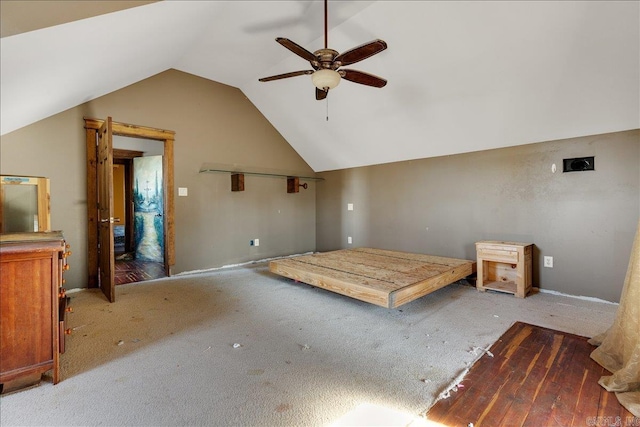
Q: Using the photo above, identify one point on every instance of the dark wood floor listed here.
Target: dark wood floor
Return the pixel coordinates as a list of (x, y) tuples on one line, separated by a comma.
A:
[(129, 271), (537, 377)]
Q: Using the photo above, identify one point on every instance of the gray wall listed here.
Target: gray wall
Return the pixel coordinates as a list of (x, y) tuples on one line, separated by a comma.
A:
[(213, 123), (442, 206), (586, 220)]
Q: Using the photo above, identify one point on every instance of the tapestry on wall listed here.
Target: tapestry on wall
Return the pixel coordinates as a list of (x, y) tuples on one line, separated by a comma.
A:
[(148, 196)]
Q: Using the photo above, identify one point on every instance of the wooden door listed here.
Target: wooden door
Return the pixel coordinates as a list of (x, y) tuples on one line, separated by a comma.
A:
[(92, 126), (106, 257)]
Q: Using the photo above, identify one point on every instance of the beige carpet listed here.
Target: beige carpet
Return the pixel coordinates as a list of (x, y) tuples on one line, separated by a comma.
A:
[(244, 347)]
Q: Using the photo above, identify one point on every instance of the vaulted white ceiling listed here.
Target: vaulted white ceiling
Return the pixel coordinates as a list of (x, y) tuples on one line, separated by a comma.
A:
[(463, 75)]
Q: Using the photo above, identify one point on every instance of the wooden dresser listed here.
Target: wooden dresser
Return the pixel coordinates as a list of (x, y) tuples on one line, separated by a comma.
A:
[(33, 307)]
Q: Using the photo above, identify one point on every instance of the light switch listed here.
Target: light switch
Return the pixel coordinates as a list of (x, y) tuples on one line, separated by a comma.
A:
[(182, 191), (349, 206)]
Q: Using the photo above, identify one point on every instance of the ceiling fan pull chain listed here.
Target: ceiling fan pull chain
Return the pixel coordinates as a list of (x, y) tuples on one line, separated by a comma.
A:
[(327, 108)]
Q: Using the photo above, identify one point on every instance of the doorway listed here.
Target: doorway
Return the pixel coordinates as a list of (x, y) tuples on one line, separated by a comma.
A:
[(138, 228), (100, 216)]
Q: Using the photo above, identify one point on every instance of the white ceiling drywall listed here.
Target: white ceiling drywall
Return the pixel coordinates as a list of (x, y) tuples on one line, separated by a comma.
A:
[(463, 75)]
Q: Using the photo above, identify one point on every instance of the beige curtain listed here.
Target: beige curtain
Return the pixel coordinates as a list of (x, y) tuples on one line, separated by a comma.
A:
[(619, 347)]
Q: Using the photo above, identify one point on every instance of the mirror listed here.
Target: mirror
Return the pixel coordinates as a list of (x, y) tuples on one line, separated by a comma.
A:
[(24, 204)]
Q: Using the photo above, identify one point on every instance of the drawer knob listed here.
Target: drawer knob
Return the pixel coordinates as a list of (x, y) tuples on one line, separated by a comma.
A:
[(68, 331), (62, 293), (66, 267), (69, 309), (66, 254)]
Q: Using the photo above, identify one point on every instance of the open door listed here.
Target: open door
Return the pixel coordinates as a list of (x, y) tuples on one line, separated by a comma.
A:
[(106, 257), (96, 265)]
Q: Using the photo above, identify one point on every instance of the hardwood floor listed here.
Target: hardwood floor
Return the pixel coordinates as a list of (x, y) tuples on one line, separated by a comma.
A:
[(129, 271), (536, 377)]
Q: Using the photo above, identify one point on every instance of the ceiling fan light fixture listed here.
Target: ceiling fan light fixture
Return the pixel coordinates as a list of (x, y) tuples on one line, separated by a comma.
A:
[(325, 79)]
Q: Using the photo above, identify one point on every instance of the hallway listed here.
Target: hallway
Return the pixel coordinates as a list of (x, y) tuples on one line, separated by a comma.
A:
[(128, 271)]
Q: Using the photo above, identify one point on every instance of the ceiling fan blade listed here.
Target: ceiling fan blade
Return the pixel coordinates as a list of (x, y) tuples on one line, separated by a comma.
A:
[(321, 94), (362, 78), (297, 49), (286, 75), (361, 52)]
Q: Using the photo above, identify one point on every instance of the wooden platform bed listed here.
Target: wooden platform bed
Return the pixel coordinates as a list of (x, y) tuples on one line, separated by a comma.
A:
[(381, 277)]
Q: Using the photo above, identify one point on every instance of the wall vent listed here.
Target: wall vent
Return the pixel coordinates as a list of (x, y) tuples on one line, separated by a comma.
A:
[(578, 164)]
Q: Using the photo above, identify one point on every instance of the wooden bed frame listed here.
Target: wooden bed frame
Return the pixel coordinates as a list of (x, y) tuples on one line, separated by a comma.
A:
[(381, 277)]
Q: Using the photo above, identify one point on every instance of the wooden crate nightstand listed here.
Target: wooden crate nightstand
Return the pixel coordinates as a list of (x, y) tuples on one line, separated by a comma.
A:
[(504, 267)]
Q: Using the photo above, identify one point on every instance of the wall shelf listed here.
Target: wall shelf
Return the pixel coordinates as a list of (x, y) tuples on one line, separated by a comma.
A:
[(238, 173)]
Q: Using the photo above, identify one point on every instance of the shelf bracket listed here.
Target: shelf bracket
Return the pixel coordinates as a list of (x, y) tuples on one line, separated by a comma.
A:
[(237, 182), (293, 184)]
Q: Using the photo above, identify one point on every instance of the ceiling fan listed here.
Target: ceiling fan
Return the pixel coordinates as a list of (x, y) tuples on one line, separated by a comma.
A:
[(326, 63)]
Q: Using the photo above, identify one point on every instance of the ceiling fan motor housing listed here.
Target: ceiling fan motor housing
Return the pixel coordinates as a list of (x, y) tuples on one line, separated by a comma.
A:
[(325, 59)]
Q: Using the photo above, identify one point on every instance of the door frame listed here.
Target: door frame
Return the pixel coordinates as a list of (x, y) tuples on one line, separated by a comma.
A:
[(167, 137)]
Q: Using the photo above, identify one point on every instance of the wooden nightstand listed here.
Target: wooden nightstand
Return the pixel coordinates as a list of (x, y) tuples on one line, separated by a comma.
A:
[(504, 267)]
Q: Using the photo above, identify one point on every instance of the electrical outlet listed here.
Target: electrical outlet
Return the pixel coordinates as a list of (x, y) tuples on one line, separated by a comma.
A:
[(349, 240), (548, 261), (349, 206), (256, 242)]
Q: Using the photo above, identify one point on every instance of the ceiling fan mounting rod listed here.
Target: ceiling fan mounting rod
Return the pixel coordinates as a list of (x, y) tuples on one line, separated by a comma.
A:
[(326, 37)]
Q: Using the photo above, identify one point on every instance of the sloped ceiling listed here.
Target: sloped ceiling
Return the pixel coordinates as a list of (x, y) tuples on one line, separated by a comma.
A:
[(463, 76)]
